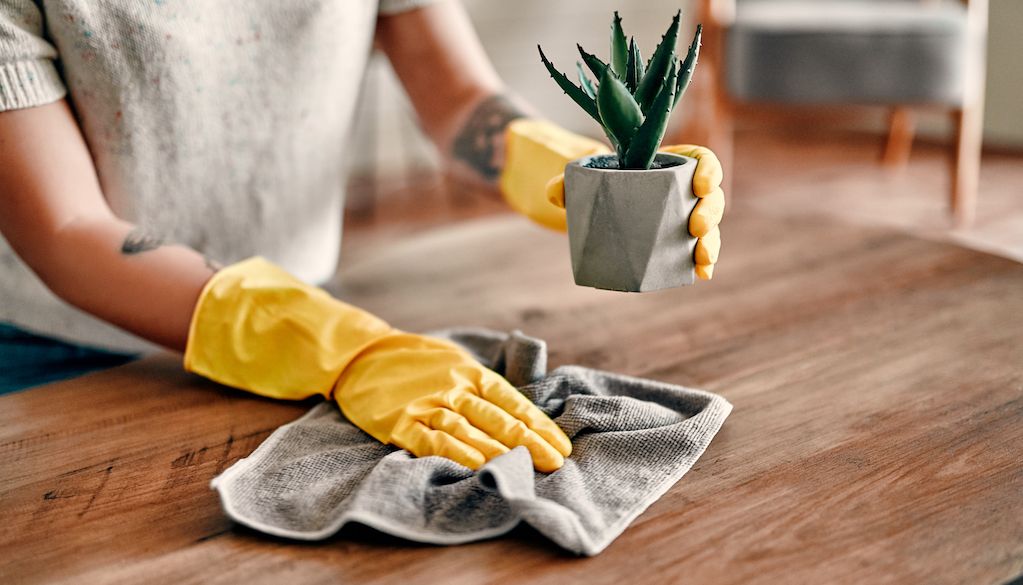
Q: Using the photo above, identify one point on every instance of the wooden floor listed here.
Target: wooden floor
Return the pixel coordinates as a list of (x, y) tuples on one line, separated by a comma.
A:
[(783, 175)]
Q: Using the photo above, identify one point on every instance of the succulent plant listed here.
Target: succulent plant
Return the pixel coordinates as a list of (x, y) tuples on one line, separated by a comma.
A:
[(632, 101)]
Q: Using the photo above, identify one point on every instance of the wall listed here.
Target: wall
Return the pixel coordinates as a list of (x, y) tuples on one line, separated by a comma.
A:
[(1003, 124)]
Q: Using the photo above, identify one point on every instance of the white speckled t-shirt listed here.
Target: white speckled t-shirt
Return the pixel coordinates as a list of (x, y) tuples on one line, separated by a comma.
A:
[(218, 124)]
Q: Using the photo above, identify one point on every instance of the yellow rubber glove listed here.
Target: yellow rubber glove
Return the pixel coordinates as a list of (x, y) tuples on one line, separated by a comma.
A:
[(533, 181), (703, 222), (258, 328), (535, 151)]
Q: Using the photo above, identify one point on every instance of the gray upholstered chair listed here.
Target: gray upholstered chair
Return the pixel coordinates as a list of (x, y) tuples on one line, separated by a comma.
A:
[(901, 54)]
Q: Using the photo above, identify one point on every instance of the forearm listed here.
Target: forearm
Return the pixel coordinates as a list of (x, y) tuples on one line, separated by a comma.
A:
[(461, 102), (115, 271), (54, 216)]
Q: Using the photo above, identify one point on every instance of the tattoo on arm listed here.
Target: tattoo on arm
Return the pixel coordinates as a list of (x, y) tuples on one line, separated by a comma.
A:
[(212, 264), (139, 240), (481, 141)]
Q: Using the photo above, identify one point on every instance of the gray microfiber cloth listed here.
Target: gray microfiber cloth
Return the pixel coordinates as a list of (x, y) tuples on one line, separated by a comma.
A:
[(632, 439)]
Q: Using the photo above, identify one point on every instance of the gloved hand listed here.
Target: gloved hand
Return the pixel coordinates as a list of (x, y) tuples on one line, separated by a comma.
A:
[(258, 328), (533, 181), (535, 151)]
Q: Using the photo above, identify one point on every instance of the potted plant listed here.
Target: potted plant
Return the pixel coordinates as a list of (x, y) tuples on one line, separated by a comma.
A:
[(628, 211)]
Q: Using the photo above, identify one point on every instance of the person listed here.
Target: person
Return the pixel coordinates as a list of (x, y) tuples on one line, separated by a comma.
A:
[(141, 143)]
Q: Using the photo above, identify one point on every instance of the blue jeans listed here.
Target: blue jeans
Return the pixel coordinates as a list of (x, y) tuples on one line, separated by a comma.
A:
[(28, 360)]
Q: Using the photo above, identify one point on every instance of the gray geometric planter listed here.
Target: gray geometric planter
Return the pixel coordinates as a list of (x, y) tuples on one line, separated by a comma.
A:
[(628, 230)]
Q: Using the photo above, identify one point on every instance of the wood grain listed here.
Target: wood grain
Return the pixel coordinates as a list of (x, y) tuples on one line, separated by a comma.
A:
[(877, 434)]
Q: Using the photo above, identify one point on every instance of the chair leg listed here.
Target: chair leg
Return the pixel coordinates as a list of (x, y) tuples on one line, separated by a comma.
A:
[(695, 124), (901, 127), (969, 121), (722, 130), (711, 120), (966, 164), (723, 141), (711, 124)]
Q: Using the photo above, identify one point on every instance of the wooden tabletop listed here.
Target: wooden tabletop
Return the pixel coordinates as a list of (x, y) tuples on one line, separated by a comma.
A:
[(877, 434)]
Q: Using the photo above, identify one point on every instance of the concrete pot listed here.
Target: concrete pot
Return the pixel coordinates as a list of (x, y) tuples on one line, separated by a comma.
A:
[(628, 229)]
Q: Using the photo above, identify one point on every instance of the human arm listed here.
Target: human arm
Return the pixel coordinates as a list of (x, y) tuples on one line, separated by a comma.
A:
[(461, 102), (54, 215), (251, 325)]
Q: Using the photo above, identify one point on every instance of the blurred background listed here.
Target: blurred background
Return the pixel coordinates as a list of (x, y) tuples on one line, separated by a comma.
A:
[(906, 113)]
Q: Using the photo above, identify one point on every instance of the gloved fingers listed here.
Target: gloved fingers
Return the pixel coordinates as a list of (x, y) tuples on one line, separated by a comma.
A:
[(509, 430), (456, 425), (707, 247), (422, 441), (509, 399), (708, 168), (689, 150), (708, 174), (707, 213), (555, 190)]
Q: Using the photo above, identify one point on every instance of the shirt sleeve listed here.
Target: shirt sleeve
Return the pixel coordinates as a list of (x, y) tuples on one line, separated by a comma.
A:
[(388, 7), (28, 75)]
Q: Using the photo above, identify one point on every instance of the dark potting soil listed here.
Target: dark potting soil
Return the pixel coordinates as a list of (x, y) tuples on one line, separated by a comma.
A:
[(610, 163)]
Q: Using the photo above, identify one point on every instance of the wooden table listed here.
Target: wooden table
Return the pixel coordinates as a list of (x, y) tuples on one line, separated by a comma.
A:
[(877, 434)]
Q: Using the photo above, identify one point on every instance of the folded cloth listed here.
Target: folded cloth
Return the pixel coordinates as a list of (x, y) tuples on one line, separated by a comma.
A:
[(632, 439)]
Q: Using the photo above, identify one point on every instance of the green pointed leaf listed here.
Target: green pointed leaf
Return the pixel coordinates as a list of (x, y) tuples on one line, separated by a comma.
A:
[(618, 110), (619, 50), (633, 67), (585, 82), (593, 62), (660, 63), (641, 151), (685, 72), (630, 68), (574, 91), (640, 67)]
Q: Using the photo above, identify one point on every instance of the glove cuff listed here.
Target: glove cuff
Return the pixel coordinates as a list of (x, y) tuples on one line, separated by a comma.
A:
[(535, 152), (258, 328)]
